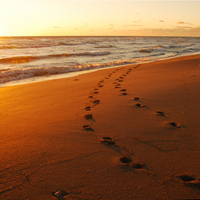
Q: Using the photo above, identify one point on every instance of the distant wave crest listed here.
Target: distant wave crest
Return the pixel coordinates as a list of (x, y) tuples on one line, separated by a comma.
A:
[(25, 59)]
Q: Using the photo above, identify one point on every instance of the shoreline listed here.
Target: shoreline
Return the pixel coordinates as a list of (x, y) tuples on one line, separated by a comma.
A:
[(76, 73), (151, 149)]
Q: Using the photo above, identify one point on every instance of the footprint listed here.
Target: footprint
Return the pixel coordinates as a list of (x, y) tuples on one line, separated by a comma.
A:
[(136, 98), (124, 93), (190, 181), (97, 92), (60, 194), (96, 101), (88, 116), (125, 160), (139, 105), (175, 125), (90, 97), (123, 90), (160, 113), (88, 108), (120, 80), (87, 128), (187, 178), (107, 140), (136, 165)]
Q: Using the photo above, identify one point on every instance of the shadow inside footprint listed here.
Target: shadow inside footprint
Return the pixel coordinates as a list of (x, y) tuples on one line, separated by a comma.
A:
[(125, 160), (87, 128), (190, 181), (88, 108), (107, 140), (60, 195), (136, 98), (137, 165), (139, 105), (160, 113), (123, 90), (187, 178), (88, 116), (175, 125), (97, 102)]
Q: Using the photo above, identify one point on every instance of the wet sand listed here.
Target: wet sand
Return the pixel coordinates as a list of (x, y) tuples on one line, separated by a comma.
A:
[(129, 132)]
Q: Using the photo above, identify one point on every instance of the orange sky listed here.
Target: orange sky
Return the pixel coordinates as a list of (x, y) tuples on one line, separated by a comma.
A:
[(76, 18)]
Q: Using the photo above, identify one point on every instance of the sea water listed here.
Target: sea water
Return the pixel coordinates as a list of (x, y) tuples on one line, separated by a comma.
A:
[(33, 58)]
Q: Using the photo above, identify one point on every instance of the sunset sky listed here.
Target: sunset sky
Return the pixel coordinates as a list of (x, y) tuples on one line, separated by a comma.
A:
[(99, 18)]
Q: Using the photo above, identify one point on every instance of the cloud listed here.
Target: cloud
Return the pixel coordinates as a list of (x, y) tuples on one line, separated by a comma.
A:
[(183, 23), (161, 21), (178, 31)]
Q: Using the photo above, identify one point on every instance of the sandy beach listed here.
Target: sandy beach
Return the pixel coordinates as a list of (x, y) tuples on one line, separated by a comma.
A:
[(128, 132)]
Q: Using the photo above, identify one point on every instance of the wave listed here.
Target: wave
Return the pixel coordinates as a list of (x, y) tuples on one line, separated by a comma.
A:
[(8, 75), (164, 47), (71, 43), (25, 59), (106, 46)]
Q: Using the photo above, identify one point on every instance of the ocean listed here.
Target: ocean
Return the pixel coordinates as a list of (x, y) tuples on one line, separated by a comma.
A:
[(29, 59)]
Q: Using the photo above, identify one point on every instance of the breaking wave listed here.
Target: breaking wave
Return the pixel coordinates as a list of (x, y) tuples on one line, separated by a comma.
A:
[(25, 59)]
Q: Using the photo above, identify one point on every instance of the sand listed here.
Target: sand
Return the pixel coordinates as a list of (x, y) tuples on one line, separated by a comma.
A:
[(49, 145)]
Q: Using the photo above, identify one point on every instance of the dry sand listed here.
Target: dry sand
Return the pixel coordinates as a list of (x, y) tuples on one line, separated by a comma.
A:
[(45, 148)]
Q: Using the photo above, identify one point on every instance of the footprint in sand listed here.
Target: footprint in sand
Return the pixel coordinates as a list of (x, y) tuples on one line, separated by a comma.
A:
[(190, 181), (87, 128), (88, 108), (160, 113), (123, 90), (60, 194), (96, 92), (140, 105), (88, 116), (175, 125), (90, 97), (120, 80), (125, 160), (96, 102), (136, 98), (136, 165), (107, 140)]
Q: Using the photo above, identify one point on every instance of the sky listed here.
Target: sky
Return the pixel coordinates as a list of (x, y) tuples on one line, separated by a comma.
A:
[(99, 18)]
